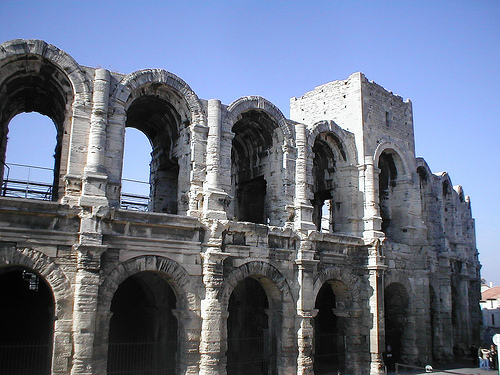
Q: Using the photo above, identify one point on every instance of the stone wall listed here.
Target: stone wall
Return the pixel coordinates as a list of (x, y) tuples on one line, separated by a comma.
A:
[(303, 245)]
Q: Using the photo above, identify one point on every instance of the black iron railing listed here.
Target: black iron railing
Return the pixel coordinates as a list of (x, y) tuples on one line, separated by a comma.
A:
[(27, 181), (25, 358), (142, 358)]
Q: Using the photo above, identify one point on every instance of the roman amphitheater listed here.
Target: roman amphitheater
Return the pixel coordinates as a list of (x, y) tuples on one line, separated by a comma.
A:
[(266, 245)]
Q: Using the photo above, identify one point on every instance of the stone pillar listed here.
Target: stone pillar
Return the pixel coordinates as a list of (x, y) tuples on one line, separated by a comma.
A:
[(303, 208), (189, 335), (85, 307), (213, 342), (376, 270), (371, 216), (95, 178), (87, 281), (216, 199), (306, 314)]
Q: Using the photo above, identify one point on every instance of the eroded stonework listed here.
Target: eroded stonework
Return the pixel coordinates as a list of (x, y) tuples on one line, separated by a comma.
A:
[(267, 245)]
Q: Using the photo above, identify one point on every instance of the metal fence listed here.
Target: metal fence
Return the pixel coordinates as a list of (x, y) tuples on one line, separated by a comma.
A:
[(27, 181), (142, 358), (25, 359)]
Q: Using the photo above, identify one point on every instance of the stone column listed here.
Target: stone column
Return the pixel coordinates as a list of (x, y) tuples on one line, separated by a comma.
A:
[(303, 207), (376, 270), (371, 216), (306, 314), (85, 307), (213, 343), (216, 199), (87, 281), (95, 178)]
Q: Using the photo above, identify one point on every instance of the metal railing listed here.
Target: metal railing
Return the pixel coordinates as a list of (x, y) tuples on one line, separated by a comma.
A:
[(25, 358), (134, 201), (142, 358), (27, 181)]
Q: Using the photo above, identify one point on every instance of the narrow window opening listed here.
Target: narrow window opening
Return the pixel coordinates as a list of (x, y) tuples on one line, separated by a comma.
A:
[(136, 171)]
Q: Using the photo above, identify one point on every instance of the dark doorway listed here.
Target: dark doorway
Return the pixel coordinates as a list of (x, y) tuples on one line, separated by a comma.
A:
[(143, 329), (396, 304), (329, 338), (26, 323), (251, 345), (251, 197)]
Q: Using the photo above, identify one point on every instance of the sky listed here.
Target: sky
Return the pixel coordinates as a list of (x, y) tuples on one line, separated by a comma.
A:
[(443, 55)]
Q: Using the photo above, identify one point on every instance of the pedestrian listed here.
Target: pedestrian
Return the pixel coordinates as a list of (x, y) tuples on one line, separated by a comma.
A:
[(484, 362), (493, 357)]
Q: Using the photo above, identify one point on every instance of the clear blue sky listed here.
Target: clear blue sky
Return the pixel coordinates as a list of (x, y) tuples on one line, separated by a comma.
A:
[(443, 55)]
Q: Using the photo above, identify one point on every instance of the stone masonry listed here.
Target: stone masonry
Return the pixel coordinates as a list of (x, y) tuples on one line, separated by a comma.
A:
[(267, 245)]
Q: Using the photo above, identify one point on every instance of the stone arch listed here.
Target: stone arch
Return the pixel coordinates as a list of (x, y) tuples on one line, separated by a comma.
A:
[(393, 178), (176, 275), (43, 265), (169, 113), (276, 284), (262, 145), (280, 313), (342, 274), (159, 77), (246, 103), (405, 319), (401, 163), (61, 289), (330, 175), (345, 145), (338, 323), (39, 77), (185, 291)]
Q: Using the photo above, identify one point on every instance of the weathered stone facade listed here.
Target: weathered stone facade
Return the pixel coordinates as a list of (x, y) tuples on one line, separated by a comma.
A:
[(270, 245)]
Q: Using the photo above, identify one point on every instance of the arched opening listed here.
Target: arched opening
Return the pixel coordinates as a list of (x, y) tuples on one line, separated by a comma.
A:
[(251, 159), (433, 309), (136, 171), (26, 322), (160, 122), (329, 329), (251, 341), (143, 328), (29, 171), (396, 302), (34, 85), (324, 167), (387, 182), (456, 318)]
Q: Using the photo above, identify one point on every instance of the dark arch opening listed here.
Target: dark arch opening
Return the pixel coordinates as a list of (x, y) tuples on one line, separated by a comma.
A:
[(251, 342), (160, 122), (329, 332), (143, 328), (396, 303), (433, 320), (26, 322), (387, 181), (253, 139), (36, 85), (323, 176)]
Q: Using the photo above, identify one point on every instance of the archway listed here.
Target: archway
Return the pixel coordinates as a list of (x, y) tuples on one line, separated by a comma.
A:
[(29, 171), (251, 158), (250, 338), (143, 329), (159, 120), (329, 329), (396, 302), (26, 322), (136, 189), (36, 85)]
